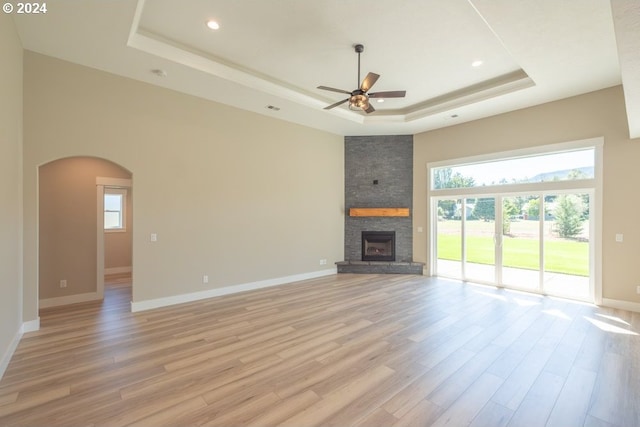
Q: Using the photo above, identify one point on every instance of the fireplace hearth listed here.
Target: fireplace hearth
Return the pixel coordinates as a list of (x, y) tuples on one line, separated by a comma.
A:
[(378, 246)]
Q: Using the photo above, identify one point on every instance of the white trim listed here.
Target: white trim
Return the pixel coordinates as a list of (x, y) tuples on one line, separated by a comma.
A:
[(31, 325), (100, 240), (6, 357), (216, 292), (596, 226), (555, 187), (498, 225), (118, 270), (69, 299), (620, 304), (113, 182)]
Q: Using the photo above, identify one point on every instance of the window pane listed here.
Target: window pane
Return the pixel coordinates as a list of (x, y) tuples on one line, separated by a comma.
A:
[(112, 202), (112, 220), (521, 241), (542, 168), (479, 238), (566, 250), (449, 236)]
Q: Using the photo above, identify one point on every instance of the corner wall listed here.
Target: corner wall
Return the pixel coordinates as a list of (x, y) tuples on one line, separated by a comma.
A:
[(10, 190)]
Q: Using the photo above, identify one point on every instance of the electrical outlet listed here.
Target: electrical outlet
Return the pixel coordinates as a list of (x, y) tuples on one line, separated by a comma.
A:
[(63, 283), (205, 279), (637, 289), (323, 262)]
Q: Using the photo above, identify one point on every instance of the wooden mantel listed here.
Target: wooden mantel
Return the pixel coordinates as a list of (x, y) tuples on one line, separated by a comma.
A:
[(388, 212)]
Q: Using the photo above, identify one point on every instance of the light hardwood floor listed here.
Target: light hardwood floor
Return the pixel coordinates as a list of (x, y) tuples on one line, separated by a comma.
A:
[(345, 350)]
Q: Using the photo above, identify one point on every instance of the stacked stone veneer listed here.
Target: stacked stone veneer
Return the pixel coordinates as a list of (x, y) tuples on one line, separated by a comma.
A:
[(387, 160)]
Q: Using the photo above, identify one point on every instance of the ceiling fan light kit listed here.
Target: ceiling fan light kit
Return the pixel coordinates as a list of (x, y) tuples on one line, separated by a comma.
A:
[(359, 98), (359, 101)]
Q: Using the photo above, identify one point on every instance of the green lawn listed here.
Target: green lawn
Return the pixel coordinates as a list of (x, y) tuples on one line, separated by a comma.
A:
[(561, 256)]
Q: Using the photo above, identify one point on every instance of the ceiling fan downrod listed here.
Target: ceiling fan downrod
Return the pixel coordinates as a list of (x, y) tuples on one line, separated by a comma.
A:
[(359, 49)]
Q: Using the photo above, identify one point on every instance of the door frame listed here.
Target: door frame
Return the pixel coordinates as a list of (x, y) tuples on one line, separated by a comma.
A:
[(101, 184)]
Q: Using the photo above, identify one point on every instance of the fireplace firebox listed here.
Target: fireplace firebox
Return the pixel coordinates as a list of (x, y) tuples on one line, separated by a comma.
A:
[(378, 246)]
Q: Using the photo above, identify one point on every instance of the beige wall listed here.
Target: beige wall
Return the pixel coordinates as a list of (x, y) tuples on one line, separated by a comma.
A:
[(68, 224), (232, 194), (10, 185), (117, 246), (595, 114)]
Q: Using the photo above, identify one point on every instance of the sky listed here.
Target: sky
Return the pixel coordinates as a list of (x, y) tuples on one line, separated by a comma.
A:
[(519, 168)]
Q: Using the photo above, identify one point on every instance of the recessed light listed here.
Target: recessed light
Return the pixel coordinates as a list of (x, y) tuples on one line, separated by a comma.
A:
[(212, 25), (476, 63), (380, 100)]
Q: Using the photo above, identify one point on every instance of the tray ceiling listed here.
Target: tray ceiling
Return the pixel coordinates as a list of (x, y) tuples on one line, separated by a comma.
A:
[(276, 53)]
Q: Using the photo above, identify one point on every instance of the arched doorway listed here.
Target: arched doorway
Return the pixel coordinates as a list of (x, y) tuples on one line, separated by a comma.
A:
[(74, 250)]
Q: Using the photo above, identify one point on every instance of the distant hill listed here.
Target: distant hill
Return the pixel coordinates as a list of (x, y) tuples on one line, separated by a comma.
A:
[(560, 174)]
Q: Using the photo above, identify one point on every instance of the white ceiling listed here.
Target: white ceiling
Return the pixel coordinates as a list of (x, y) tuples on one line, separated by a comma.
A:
[(277, 53)]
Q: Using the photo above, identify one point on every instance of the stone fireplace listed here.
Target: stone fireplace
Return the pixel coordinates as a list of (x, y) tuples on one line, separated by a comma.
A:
[(379, 199)]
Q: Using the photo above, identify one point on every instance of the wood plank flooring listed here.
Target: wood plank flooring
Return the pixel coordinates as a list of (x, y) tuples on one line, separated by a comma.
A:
[(344, 350)]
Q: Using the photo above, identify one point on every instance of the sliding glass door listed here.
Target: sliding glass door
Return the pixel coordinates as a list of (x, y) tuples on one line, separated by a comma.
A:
[(530, 242), (525, 222)]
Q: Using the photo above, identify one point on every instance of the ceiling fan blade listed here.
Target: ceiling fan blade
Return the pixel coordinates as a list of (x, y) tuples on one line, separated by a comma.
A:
[(332, 89), (389, 94), (336, 104), (369, 81), (369, 109)]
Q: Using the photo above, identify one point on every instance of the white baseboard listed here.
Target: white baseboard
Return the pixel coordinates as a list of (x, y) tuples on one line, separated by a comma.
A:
[(117, 270), (216, 292), (6, 357), (31, 326), (69, 299), (623, 305)]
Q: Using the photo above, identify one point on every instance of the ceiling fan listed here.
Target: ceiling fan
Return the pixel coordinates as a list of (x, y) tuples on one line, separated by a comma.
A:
[(359, 98)]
